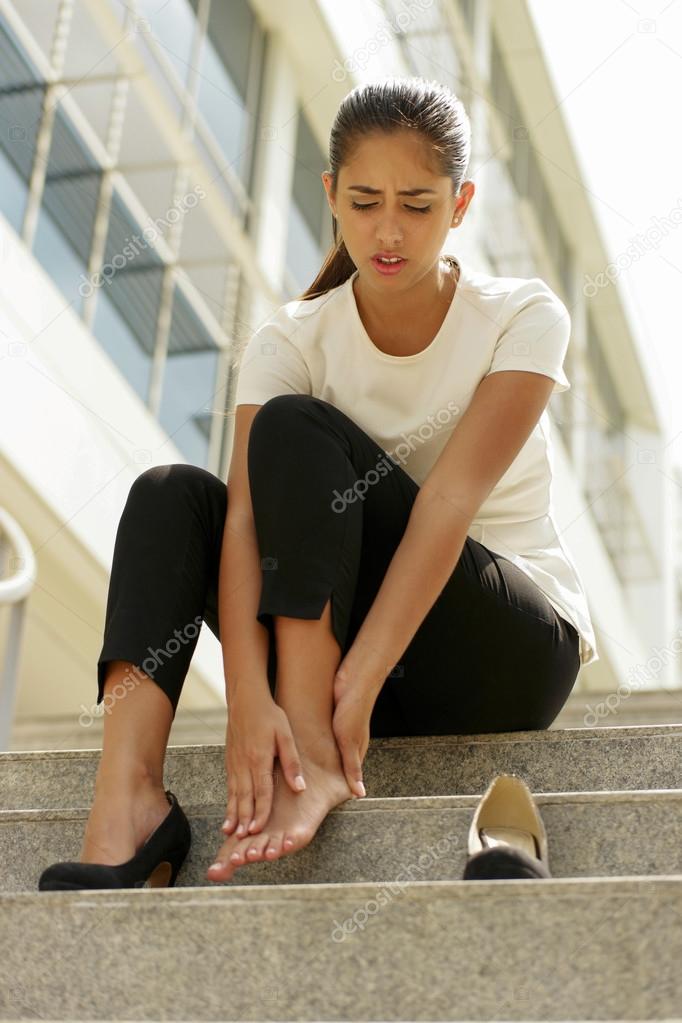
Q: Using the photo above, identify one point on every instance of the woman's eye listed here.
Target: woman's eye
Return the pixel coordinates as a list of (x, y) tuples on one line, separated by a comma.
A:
[(368, 206)]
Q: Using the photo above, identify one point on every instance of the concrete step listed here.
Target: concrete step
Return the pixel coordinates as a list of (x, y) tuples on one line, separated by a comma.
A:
[(552, 760), (569, 949), (590, 834)]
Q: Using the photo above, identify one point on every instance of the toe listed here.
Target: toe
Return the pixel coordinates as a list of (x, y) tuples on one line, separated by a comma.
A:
[(238, 855), (223, 872), (274, 847), (256, 847)]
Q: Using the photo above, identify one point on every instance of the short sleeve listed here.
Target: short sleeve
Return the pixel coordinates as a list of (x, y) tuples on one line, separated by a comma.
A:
[(270, 365), (536, 336)]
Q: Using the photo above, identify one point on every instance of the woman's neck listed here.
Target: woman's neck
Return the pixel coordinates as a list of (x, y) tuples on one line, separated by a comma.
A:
[(410, 314)]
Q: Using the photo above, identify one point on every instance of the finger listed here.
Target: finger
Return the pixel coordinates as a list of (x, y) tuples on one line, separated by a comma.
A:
[(263, 786), (352, 768), (290, 761), (231, 815), (245, 803)]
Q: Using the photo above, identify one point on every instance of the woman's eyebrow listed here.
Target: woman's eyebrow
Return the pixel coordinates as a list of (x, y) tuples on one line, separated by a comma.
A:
[(377, 191)]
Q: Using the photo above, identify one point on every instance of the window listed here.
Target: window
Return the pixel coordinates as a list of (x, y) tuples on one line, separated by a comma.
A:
[(67, 214), (128, 298), (172, 24), (21, 101), (189, 382), (310, 233), (225, 96)]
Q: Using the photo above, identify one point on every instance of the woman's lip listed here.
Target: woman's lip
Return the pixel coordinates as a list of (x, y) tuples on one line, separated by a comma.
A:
[(388, 269)]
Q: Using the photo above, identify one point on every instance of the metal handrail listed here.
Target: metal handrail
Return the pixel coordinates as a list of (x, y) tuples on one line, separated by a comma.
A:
[(14, 590)]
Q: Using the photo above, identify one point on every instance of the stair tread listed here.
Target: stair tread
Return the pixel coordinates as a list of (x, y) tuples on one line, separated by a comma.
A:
[(486, 950), (589, 834)]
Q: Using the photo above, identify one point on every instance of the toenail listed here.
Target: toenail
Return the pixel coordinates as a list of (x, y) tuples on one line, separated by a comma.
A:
[(234, 856), (271, 850)]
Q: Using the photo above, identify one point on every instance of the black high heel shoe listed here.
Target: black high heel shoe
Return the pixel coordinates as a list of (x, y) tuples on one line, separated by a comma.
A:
[(156, 865)]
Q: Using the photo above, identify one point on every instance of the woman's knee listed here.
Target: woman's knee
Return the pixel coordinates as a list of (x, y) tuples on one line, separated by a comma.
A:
[(282, 405), (161, 480)]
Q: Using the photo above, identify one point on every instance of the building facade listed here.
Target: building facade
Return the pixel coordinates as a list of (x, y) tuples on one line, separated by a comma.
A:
[(160, 195)]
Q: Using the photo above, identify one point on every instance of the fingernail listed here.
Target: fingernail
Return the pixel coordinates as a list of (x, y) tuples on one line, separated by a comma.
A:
[(299, 782)]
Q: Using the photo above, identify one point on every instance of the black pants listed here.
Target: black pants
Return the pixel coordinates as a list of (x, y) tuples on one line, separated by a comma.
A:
[(491, 655)]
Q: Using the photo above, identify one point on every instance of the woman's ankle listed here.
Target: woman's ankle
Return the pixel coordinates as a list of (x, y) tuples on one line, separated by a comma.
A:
[(127, 779)]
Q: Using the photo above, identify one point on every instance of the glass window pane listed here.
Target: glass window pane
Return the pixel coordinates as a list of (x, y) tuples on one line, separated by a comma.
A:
[(224, 69), (308, 190), (130, 287), (120, 343), (308, 233), (172, 23), (67, 215), (222, 106), (189, 382), (21, 100), (13, 193), (55, 254), (303, 258)]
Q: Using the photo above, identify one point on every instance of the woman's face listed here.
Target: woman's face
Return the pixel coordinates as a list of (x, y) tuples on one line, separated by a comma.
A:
[(411, 226)]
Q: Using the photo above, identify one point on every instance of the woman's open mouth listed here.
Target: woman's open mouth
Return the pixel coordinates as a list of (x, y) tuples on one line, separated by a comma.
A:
[(389, 269)]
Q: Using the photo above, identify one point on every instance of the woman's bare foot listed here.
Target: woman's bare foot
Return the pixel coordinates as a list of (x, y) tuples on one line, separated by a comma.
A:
[(294, 816), (122, 817)]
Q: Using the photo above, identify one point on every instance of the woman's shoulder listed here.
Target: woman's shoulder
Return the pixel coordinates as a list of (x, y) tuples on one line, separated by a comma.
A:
[(518, 290)]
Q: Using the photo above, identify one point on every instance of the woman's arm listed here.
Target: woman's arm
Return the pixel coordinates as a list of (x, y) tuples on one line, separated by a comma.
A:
[(497, 423), (244, 640)]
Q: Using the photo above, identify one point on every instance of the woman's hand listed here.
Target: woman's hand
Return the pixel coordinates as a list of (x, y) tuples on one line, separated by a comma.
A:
[(353, 705), (258, 730)]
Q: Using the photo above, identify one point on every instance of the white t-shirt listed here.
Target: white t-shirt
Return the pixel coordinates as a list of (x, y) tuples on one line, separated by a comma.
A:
[(410, 404)]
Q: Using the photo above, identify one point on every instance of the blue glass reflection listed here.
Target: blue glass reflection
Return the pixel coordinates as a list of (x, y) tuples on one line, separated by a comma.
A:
[(189, 382), (13, 194), (58, 258), (120, 343)]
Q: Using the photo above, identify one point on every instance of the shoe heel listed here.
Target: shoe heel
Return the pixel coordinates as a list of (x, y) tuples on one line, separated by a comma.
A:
[(175, 862)]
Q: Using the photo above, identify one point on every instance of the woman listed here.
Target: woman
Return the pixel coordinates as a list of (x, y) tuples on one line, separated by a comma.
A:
[(389, 563)]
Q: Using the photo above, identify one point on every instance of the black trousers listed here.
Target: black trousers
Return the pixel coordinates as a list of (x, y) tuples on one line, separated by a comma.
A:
[(491, 655)]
